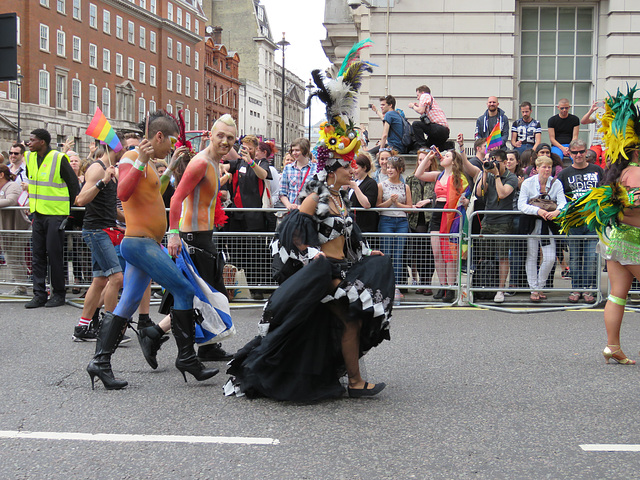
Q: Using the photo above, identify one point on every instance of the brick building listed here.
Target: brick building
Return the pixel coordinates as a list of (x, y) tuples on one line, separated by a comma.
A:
[(126, 57), (221, 84)]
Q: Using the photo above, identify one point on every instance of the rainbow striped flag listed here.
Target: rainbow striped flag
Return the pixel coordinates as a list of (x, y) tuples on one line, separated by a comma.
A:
[(101, 129), (494, 139)]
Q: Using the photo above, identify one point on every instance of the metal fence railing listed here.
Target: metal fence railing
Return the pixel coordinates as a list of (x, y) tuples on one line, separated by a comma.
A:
[(419, 266)]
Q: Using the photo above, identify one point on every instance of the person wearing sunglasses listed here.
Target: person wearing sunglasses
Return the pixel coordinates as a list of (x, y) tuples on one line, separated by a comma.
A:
[(139, 188), (578, 179), (563, 129)]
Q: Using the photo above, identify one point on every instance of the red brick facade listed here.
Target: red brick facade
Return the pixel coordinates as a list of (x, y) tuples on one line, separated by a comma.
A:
[(125, 57), (221, 84)]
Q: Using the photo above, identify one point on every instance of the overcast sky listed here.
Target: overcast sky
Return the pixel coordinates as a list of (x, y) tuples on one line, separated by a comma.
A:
[(301, 20)]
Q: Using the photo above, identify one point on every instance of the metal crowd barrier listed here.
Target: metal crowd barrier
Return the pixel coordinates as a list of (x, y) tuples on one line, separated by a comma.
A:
[(248, 267)]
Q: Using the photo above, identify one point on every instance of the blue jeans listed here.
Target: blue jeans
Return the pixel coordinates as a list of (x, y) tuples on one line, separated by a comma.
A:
[(104, 259), (582, 259), (146, 260), (394, 246), (557, 151)]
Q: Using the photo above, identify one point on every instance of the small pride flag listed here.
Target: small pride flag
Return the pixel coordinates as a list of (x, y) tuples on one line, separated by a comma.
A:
[(494, 139), (101, 129)]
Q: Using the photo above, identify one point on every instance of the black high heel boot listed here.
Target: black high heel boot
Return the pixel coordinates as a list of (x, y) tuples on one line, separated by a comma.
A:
[(183, 327), (111, 332), (151, 339)]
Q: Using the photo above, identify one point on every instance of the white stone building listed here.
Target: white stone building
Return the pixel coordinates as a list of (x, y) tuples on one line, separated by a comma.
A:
[(466, 50)]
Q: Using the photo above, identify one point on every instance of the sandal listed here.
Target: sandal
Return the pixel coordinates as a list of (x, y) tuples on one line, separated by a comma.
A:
[(542, 296), (588, 298), (574, 297), (534, 297), (609, 354)]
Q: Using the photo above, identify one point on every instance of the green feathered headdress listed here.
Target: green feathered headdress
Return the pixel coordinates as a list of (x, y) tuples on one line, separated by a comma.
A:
[(620, 124)]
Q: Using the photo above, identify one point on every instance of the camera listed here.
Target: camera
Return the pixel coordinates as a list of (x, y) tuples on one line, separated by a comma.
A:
[(354, 4), (490, 165)]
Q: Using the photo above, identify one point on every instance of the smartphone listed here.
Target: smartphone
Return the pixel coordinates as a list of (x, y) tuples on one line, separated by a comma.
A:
[(371, 105)]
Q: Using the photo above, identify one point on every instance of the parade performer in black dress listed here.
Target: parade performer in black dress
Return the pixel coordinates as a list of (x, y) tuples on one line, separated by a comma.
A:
[(613, 211), (336, 295)]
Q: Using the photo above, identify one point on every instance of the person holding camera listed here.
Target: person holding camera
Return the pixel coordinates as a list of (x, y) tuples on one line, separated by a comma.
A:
[(432, 128), (497, 188)]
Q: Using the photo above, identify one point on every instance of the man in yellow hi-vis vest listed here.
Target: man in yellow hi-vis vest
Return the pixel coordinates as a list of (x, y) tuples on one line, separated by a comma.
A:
[(53, 186)]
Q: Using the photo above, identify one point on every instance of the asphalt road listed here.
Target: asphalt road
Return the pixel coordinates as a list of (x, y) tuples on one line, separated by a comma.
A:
[(471, 394)]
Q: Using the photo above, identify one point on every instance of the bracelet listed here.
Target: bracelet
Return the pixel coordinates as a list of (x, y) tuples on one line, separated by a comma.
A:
[(138, 165), (100, 185), (252, 164)]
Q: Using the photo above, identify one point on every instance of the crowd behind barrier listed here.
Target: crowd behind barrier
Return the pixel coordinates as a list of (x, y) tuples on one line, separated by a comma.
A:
[(249, 266)]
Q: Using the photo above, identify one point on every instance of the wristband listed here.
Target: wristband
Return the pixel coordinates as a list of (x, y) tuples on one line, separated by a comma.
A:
[(138, 165), (252, 164), (167, 173), (174, 231), (100, 185)]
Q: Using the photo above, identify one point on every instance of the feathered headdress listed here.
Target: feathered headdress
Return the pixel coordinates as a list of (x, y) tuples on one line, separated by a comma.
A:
[(339, 141), (620, 124)]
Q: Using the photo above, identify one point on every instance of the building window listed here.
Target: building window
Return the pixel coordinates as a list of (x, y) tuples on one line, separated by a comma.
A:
[(179, 16), (131, 70), (179, 51), (119, 64), (152, 75), (106, 60), (153, 7), (187, 86), (93, 16), (77, 12), (141, 109), (142, 72), (61, 91), (93, 56), (131, 34), (106, 102), (170, 11), (557, 52), (152, 41), (169, 108), (61, 44), (125, 103), (93, 98), (43, 90), (143, 37), (170, 47), (178, 83), (187, 20), (143, 3), (169, 80), (106, 22), (77, 49), (119, 27), (187, 55), (195, 90), (61, 7), (152, 105), (13, 90), (197, 24), (187, 119), (196, 57), (76, 104), (44, 3), (44, 37), (195, 120)]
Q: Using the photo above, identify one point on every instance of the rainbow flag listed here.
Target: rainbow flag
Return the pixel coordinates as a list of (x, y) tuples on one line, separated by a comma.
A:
[(494, 139), (101, 129)]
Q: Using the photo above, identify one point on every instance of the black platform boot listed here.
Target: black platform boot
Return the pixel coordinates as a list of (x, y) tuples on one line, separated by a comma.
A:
[(183, 327), (213, 352), (151, 339), (111, 331)]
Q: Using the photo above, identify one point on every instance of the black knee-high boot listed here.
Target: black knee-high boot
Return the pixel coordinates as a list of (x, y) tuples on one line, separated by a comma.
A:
[(111, 331), (183, 327)]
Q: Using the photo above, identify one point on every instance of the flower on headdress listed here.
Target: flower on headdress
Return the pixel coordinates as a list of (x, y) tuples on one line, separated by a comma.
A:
[(332, 141)]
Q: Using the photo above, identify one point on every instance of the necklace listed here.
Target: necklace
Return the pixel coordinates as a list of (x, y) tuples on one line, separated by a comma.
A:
[(339, 206)]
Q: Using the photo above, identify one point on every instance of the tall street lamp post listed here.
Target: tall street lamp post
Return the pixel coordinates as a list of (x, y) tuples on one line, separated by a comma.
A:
[(282, 44), (309, 87), (19, 85)]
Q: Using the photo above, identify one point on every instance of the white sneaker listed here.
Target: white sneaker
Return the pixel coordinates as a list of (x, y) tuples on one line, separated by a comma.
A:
[(499, 298)]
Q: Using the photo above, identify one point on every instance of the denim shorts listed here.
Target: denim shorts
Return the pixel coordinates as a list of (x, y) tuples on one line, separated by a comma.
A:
[(104, 259)]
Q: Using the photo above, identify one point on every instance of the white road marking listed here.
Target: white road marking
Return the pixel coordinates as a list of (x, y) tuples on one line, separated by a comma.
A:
[(610, 447), (112, 437)]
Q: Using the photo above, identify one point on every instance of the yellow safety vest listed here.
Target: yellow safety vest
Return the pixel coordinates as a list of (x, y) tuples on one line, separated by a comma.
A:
[(48, 192)]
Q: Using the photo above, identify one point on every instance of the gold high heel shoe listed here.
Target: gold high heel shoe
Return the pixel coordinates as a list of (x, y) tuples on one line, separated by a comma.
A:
[(611, 350)]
